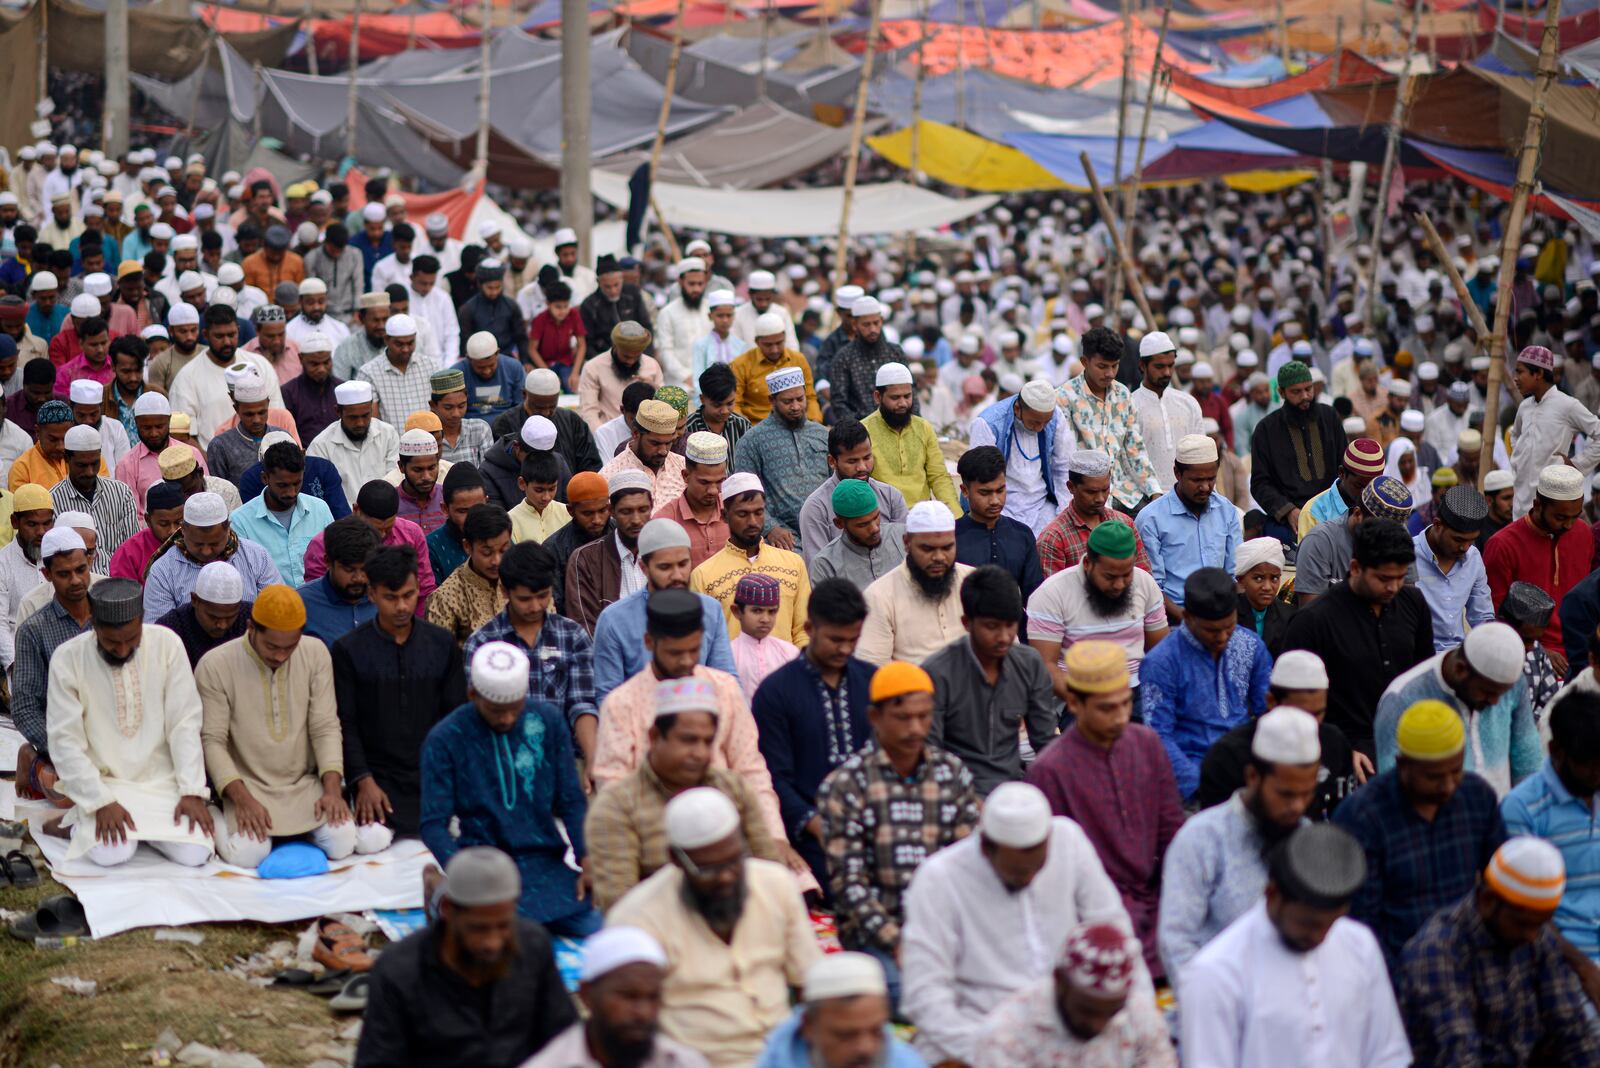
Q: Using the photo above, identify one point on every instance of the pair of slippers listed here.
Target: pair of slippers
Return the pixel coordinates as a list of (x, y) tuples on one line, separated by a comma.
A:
[(17, 869), (348, 990), (56, 917)]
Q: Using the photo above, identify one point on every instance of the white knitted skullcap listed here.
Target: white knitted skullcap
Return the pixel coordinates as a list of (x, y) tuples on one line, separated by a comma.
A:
[(83, 439), (699, 817), (1154, 343), (500, 673), (1299, 669), (1561, 482), (86, 391), (1287, 735), (418, 442), (1015, 815), (205, 509), (219, 582), (769, 324), (1495, 651), (844, 975), (616, 947), (151, 403), (354, 392), (401, 325), (61, 540), (1196, 449), (538, 433)]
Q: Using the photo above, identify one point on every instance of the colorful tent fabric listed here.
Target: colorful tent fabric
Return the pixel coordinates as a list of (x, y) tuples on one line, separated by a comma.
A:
[(956, 157), (1496, 174), (1575, 28), (1353, 70), (1060, 59)]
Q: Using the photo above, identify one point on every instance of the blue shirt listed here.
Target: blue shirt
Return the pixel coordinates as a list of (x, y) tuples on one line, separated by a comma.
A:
[(44, 326), (321, 481), (1191, 700), (1179, 542), (560, 665), (488, 399), (113, 253), (1462, 593), (445, 552), (370, 253), (1502, 740), (1542, 806), (619, 652), (1010, 545), (786, 1048), (1415, 867), (329, 616), (285, 544)]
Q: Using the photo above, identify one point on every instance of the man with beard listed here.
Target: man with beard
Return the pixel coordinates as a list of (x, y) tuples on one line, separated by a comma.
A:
[(281, 518), (1216, 867), (866, 548), (605, 376), (1036, 440), (32, 513), (1295, 973), (683, 322), (313, 317), (753, 371), (607, 569), (905, 444), (395, 676), (309, 396), (1210, 677), (366, 344), (615, 301), (744, 506), (721, 1004), (854, 369), (125, 736), (849, 459), (984, 915), (87, 489), (361, 446), (216, 611), (916, 608), (1295, 452), (201, 388), (477, 986), (183, 324), (787, 452), (1103, 597), (650, 452), (842, 1022), (501, 767), (205, 535), (1191, 526)]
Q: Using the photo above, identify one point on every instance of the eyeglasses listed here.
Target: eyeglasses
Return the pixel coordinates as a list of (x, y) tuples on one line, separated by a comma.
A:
[(708, 871)]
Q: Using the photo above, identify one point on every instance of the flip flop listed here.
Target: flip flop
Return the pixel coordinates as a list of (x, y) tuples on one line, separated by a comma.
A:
[(57, 917), (295, 977), (330, 984), (6, 878), (353, 998), (20, 867)]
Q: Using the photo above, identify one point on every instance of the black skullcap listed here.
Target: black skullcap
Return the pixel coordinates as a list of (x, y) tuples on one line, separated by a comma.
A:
[(163, 494), (378, 500), (1210, 593), (1526, 605), (116, 601), (1463, 508), (673, 614), (1319, 865)]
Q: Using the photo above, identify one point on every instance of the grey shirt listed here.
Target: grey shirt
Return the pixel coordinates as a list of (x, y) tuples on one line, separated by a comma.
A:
[(1324, 557), (843, 558), (816, 515), (231, 454), (978, 722)]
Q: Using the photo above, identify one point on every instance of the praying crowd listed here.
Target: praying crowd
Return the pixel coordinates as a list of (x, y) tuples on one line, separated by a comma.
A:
[(1213, 690)]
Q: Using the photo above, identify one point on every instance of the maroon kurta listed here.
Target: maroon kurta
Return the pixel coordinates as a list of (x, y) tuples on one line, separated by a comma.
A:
[(1126, 801), (1521, 552)]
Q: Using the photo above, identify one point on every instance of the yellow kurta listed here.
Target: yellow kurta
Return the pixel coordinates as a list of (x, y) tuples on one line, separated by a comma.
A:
[(719, 575), (276, 730), (750, 397), (528, 525), (128, 734)]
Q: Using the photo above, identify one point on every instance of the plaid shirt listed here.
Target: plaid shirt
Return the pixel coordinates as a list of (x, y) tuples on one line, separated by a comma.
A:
[(1066, 539), (1112, 425), (878, 827), (400, 394), (37, 640), (560, 663), (1466, 1000), (473, 441)]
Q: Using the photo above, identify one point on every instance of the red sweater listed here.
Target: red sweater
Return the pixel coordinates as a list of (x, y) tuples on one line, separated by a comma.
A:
[(1521, 552)]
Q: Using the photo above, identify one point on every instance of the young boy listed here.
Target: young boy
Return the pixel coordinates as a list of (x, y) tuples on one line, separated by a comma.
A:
[(539, 515), (755, 652), (984, 535), (557, 336), (719, 346)]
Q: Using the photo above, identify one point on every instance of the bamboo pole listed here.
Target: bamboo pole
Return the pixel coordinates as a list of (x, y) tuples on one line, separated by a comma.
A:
[(842, 250), (311, 45), (668, 88), (44, 55), (1130, 196), (916, 109), (1390, 150), (1479, 327), (1120, 249), (1327, 175), (1122, 122), (666, 230), (480, 157), (1283, 37), (961, 64), (766, 34), (353, 93), (1527, 162)]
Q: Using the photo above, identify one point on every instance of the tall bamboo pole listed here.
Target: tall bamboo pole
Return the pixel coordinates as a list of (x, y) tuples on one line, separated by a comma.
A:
[(1117, 245), (1527, 163), (668, 88), (842, 250), (577, 201), (766, 34), (44, 52), (480, 158), (1479, 327), (1283, 37), (1326, 181), (1130, 196), (1391, 148), (352, 105), (916, 108)]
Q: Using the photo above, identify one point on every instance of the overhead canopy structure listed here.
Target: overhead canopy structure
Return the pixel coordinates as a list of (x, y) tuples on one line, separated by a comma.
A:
[(1060, 59), (956, 157), (703, 79), (1352, 70)]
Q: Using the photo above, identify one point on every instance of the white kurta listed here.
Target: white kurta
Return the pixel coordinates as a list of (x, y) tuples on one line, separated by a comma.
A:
[(968, 942), (358, 462), (202, 390), (744, 322), (1541, 436), (18, 576), (128, 734), (677, 328), (1248, 999), (1164, 419), (1026, 501)]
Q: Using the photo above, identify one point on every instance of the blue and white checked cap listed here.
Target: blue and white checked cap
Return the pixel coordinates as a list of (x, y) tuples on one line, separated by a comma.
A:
[(785, 378)]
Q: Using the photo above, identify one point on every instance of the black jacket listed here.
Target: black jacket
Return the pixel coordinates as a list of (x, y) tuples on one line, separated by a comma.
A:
[(1273, 627), (574, 439), (600, 315), (500, 470)]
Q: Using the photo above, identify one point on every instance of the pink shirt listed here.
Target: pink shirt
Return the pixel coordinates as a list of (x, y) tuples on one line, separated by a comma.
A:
[(139, 469), (758, 659), (404, 532), (78, 367), (667, 483), (133, 556), (287, 366)]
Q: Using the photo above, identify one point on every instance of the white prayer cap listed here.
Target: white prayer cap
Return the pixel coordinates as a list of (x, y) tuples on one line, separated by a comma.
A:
[(1301, 348), (1412, 421), (438, 225), (1090, 463), (1399, 387), (61, 540), (616, 947), (1495, 481), (205, 509), (969, 343), (373, 212), (418, 442), (42, 282), (762, 280), (482, 875), (480, 346), (250, 388), (1203, 370), (893, 374), (541, 382), (87, 391), (1039, 395), (226, 296), (690, 263), (271, 438), (151, 403), (1062, 344), (784, 379), (1424, 323), (538, 433), (155, 330), (1528, 872), (1495, 650), (219, 583), (190, 280), (1010, 383), (230, 274), (183, 314), (1247, 358), (97, 285), (865, 306), (564, 236), (1258, 551), (913, 347), (720, 298), (1299, 669), (1561, 482), (313, 287), (1155, 343), (1479, 363), (1428, 372), (699, 817), (662, 533), (186, 243), (353, 392), (845, 296), (500, 673), (83, 439), (1185, 359), (203, 211), (1181, 316), (400, 326), (1196, 449), (1287, 735), (1093, 311), (844, 975), (520, 247), (1015, 815), (1354, 426), (488, 228), (930, 517), (84, 306), (742, 482), (769, 324), (318, 342)]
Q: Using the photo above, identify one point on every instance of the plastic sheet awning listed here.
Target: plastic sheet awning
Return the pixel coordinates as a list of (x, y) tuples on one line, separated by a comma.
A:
[(956, 157), (1496, 174), (704, 80), (1061, 59), (1353, 70)]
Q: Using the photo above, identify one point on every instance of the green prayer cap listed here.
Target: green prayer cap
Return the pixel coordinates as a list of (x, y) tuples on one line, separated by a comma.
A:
[(676, 396), (451, 381), (1112, 539), (853, 498), (1293, 373)]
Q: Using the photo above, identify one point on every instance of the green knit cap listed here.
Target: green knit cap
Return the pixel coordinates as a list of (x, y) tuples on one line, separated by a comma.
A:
[(1112, 539), (1293, 373), (853, 498), (676, 396)]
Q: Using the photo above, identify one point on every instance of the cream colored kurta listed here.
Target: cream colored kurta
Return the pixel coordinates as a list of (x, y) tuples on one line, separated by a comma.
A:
[(128, 734), (276, 730)]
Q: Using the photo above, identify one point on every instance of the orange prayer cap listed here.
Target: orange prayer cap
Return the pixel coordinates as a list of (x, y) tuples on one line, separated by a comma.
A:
[(279, 607), (424, 420), (897, 679), (586, 486)]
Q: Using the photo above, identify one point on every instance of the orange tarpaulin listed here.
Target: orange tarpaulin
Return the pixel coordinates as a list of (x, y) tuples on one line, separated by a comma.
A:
[(1080, 58), (455, 204), (1353, 70)]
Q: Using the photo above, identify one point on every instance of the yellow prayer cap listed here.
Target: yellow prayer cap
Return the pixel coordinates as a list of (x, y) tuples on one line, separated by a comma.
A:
[(179, 423), (1097, 667), (178, 460), (1430, 730), (898, 678), (31, 497), (279, 607), (424, 421)]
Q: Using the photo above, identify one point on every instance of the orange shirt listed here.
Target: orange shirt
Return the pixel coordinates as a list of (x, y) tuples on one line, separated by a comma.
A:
[(265, 277), (31, 466)]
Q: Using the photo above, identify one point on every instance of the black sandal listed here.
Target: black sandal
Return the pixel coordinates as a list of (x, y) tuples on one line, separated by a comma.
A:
[(19, 867)]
